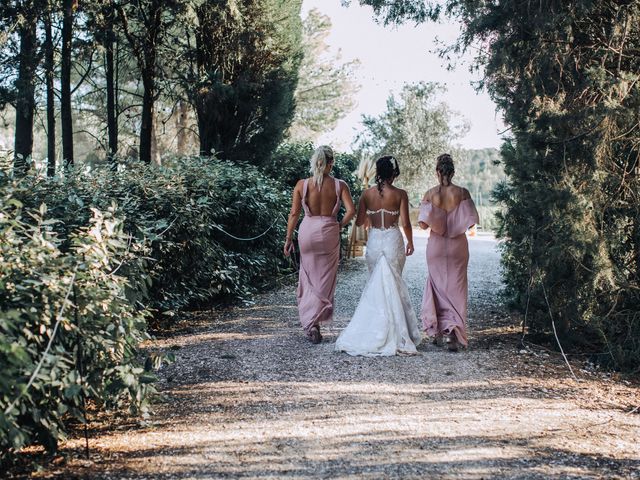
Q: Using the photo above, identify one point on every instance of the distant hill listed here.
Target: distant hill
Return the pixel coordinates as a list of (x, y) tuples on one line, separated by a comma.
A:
[(479, 171)]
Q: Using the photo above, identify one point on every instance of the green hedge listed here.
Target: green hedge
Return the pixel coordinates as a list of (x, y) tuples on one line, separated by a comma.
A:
[(86, 258), (68, 333), (181, 211)]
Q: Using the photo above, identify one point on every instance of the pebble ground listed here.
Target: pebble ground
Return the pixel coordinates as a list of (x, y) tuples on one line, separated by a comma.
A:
[(250, 397)]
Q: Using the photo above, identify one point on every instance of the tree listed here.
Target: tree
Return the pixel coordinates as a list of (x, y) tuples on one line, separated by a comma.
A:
[(66, 114), (105, 16), (26, 16), (415, 128), (25, 84), (326, 86), (49, 61), (244, 62), (146, 25)]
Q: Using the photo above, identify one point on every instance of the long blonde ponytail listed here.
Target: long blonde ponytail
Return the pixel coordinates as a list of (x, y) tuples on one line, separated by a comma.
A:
[(321, 157)]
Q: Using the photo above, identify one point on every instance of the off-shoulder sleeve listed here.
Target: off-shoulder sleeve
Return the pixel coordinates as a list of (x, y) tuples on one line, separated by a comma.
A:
[(462, 218), (433, 217)]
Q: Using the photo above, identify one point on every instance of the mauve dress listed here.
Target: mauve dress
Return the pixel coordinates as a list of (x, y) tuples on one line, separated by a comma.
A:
[(319, 242), (444, 304)]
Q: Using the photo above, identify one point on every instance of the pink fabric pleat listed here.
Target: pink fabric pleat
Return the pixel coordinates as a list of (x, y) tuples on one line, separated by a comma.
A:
[(319, 241), (444, 304)]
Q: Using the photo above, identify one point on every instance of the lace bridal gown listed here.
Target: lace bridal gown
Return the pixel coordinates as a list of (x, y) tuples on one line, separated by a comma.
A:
[(384, 322)]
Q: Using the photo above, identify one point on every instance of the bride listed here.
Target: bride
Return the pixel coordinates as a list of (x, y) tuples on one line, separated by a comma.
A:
[(384, 322)]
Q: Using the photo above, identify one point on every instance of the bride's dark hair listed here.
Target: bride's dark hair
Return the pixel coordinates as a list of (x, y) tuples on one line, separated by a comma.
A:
[(386, 169)]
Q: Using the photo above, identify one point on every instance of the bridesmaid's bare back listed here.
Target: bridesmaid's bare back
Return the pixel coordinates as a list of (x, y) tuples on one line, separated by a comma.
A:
[(447, 197), (321, 202)]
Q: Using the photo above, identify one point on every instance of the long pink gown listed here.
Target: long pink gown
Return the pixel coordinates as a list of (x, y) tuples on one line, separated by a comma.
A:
[(444, 304), (319, 241)]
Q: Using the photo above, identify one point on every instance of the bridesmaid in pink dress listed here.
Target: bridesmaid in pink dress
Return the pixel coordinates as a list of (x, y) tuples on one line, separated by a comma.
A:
[(449, 211), (319, 240)]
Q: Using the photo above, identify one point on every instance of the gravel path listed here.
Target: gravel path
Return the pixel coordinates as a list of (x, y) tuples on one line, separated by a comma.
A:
[(250, 397)]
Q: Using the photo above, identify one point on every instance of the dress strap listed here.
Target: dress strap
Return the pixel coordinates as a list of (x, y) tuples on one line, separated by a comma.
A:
[(336, 207), (305, 207)]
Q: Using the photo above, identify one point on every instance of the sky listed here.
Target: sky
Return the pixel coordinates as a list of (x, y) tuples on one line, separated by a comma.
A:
[(393, 56)]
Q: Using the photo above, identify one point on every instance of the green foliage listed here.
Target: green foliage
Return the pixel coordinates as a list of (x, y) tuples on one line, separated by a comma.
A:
[(415, 128), (244, 59), (182, 209), (82, 270), (326, 85), (479, 171), (66, 325), (395, 11), (572, 217)]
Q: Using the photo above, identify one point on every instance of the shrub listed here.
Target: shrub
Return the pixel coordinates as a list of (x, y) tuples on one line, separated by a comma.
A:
[(68, 333), (181, 210)]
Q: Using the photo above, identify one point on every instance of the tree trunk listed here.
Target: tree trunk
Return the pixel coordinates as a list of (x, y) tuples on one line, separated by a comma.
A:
[(51, 110), (147, 121), (66, 117), (208, 126), (206, 132), (112, 116), (25, 86), (155, 152)]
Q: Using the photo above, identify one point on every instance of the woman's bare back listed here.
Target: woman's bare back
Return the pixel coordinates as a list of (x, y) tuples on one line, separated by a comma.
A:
[(321, 202), (447, 197)]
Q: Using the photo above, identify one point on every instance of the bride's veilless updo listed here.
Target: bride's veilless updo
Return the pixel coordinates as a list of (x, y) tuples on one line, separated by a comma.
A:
[(386, 169), (444, 166), (322, 156)]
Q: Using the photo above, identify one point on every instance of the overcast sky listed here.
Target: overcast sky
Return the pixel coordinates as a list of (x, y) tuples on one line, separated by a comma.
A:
[(393, 56)]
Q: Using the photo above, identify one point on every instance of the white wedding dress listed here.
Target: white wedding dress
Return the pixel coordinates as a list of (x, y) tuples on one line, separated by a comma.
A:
[(384, 322)]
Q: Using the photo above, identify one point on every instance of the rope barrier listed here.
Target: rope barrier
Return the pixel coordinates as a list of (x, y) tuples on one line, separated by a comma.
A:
[(46, 350), (246, 239)]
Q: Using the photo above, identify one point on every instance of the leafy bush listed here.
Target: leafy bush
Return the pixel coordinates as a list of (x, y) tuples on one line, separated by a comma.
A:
[(68, 333), (181, 210), (78, 281)]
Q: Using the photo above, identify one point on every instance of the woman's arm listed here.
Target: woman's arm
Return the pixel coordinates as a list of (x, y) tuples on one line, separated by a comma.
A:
[(345, 195), (426, 198), (294, 215), (362, 211), (406, 221)]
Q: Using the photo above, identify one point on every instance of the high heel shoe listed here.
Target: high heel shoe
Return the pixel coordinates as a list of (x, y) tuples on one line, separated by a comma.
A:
[(452, 342), (314, 335)]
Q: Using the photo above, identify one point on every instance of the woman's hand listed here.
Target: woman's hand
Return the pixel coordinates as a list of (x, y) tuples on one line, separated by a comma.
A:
[(288, 247), (423, 225), (410, 249)]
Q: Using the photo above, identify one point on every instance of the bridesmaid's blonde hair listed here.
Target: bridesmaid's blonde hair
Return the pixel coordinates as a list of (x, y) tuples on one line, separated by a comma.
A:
[(321, 157)]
